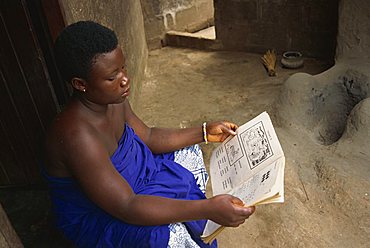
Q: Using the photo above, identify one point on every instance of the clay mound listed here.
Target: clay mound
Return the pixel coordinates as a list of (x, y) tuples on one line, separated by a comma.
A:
[(322, 104), (325, 129), (358, 129)]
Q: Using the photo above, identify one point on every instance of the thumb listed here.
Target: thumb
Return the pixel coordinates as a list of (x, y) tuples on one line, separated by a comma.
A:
[(237, 201)]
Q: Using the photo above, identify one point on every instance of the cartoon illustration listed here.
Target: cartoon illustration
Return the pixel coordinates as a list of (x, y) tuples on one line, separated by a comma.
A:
[(256, 145), (233, 151)]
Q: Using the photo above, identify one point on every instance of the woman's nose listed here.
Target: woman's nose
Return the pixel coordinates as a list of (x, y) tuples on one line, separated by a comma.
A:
[(124, 81)]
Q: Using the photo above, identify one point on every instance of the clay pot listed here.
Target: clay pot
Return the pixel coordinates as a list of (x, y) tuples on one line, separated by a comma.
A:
[(292, 59)]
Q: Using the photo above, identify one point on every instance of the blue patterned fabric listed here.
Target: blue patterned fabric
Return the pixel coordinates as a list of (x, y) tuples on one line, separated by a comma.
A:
[(87, 225)]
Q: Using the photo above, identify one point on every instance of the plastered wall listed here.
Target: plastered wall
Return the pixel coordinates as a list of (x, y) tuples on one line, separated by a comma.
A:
[(179, 15), (309, 26), (354, 30), (126, 19)]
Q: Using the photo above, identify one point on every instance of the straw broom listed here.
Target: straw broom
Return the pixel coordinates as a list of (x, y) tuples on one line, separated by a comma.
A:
[(269, 61)]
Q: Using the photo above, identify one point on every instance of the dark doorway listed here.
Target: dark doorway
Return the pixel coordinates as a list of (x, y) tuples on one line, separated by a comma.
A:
[(31, 90)]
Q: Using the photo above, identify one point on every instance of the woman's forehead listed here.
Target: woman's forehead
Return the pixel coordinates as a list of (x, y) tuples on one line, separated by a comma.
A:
[(112, 56), (109, 61)]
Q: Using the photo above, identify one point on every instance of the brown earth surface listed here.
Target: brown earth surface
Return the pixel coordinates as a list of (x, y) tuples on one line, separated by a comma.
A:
[(327, 186)]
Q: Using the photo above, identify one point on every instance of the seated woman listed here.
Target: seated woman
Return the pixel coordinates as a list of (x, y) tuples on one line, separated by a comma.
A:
[(114, 181)]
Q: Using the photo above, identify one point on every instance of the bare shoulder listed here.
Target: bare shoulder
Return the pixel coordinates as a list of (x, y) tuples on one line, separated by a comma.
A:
[(68, 136), (68, 129)]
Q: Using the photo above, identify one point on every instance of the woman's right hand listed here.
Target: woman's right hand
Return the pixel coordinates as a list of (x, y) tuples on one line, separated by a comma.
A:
[(228, 210)]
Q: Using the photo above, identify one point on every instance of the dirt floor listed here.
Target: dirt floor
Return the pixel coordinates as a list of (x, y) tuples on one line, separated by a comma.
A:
[(327, 187), (327, 193)]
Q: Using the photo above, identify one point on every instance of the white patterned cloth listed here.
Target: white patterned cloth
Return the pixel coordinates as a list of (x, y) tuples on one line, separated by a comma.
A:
[(190, 158), (180, 237)]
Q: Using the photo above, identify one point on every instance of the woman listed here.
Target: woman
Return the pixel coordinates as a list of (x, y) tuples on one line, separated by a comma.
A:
[(113, 180)]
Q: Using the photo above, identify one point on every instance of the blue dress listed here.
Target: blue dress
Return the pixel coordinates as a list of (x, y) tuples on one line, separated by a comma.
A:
[(87, 225)]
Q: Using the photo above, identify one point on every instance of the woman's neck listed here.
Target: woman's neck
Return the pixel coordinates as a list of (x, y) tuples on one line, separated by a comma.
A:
[(96, 109)]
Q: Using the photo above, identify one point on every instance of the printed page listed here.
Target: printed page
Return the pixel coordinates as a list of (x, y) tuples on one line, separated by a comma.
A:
[(250, 166), (210, 228), (255, 146), (267, 186)]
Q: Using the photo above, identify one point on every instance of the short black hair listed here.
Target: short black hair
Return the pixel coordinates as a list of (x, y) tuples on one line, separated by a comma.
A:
[(78, 45)]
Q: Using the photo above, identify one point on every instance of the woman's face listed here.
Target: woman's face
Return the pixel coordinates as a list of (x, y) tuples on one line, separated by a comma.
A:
[(107, 82)]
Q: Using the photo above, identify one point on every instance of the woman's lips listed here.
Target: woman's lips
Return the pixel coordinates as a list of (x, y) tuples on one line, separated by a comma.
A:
[(126, 92)]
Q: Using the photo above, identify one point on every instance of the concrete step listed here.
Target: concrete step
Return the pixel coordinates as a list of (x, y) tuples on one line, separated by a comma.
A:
[(204, 39)]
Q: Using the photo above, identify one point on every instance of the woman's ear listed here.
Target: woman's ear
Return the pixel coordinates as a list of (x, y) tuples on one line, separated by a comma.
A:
[(78, 84)]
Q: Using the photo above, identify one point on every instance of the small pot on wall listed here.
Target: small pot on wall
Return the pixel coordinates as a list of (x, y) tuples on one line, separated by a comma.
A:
[(292, 59)]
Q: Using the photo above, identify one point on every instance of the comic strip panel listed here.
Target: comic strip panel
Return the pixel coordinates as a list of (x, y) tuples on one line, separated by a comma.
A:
[(233, 150), (256, 144)]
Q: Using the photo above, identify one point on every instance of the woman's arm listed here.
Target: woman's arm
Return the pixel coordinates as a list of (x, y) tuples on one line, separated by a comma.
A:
[(161, 140), (153, 210), (90, 164)]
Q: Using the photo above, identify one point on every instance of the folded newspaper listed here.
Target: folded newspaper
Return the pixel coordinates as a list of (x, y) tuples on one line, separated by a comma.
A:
[(250, 166)]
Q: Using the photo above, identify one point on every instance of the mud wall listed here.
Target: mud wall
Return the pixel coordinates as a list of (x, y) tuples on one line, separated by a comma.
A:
[(309, 26), (126, 19), (179, 15), (354, 30)]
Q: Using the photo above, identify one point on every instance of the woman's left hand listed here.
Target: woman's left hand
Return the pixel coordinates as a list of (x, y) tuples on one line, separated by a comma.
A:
[(220, 130)]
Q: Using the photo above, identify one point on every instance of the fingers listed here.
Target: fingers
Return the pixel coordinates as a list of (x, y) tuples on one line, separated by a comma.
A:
[(230, 210), (241, 210), (245, 211), (249, 210), (219, 131), (232, 126), (227, 128), (243, 214)]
